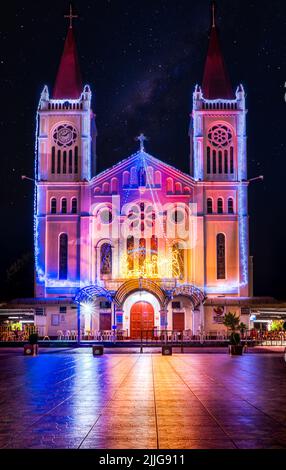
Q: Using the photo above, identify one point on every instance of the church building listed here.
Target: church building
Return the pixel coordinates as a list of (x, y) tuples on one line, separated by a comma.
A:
[(141, 245)]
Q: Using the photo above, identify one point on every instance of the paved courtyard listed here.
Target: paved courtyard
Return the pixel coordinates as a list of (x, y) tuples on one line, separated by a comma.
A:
[(70, 399)]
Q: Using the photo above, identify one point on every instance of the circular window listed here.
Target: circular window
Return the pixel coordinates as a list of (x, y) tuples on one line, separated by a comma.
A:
[(178, 216), (106, 216), (220, 136), (65, 135)]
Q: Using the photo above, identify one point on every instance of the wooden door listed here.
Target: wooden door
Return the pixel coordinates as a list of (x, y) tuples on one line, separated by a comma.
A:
[(141, 319), (105, 321), (178, 321)]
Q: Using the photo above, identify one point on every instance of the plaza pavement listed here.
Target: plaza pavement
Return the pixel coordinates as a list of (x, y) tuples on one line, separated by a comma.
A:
[(69, 399)]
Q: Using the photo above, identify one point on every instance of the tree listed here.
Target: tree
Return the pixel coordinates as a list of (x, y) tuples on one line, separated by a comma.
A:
[(232, 322), (277, 325)]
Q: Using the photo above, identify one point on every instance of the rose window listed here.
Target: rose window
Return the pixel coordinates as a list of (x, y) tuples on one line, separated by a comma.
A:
[(220, 136), (65, 135)]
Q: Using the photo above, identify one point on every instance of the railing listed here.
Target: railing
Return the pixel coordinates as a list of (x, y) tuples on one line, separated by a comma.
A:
[(180, 338), (266, 338), (104, 335), (8, 333)]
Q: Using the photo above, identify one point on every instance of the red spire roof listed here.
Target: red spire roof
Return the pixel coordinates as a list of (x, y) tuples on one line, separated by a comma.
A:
[(216, 82), (68, 83)]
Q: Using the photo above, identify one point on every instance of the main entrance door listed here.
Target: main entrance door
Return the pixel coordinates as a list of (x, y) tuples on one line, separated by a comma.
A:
[(178, 321), (141, 318)]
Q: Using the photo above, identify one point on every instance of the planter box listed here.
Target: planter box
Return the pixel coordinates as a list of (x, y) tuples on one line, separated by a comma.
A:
[(31, 350), (97, 350), (167, 350), (235, 350)]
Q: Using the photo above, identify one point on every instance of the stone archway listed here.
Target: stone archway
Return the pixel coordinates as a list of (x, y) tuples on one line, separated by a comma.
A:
[(134, 298), (134, 285)]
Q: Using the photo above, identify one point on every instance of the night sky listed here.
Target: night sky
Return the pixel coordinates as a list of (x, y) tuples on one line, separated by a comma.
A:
[(142, 60)]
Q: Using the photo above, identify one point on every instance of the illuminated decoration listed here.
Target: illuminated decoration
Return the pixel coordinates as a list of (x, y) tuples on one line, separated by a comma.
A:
[(148, 269), (177, 262), (153, 268), (139, 285), (87, 295), (39, 270), (194, 293)]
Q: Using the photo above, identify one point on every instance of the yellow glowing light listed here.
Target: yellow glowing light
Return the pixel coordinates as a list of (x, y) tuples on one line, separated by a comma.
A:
[(152, 268)]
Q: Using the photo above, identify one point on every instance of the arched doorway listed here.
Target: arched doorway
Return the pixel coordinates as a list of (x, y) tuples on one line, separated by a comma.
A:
[(141, 318)]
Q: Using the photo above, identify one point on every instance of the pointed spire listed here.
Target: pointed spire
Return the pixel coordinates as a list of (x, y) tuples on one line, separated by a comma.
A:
[(216, 82), (69, 83)]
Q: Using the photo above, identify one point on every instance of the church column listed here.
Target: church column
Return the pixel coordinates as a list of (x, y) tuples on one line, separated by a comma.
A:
[(197, 321), (118, 313), (164, 319)]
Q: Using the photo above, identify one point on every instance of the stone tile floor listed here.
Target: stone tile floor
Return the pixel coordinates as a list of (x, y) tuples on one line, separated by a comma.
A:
[(69, 399)]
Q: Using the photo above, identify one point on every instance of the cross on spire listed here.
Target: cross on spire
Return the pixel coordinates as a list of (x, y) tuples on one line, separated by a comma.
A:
[(71, 16), (141, 138), (213, 14)]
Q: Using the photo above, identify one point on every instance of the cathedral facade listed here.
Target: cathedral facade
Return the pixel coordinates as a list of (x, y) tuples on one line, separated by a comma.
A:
[(141, 246)]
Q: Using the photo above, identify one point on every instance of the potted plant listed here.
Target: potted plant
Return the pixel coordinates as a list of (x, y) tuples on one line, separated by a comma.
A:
[(32, 348), (232, 322)]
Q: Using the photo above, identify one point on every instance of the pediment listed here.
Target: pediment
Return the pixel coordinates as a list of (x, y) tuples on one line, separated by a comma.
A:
[(142, 169)]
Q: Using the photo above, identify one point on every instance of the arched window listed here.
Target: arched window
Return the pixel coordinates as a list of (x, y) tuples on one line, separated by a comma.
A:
[(220, 250), (226, 162), (53, 160), (220, 162), (220, 141), (158, 178), (76, 160), (214, 162), (154, 254), (126, 179), (231, 161), (106, 259), (150, 175), (220, 206), (130, 253), (105, 188), (209, 206), (64, 206), (64, 162), (70, 161), (170, 185), (53, 205), (142, 176), (142, 252), (59, 162), (178, 261), (178, 188), (63, 256), (134, 176), (208, 160), (74, 206), (230, 206), (114, 186)]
